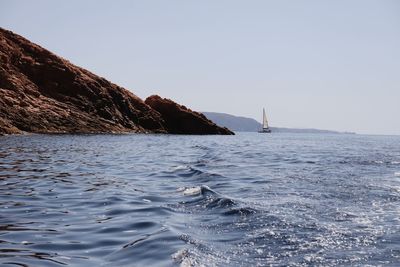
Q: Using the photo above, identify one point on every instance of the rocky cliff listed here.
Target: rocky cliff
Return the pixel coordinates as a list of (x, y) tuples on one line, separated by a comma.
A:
[(43, 93), (181, 120)]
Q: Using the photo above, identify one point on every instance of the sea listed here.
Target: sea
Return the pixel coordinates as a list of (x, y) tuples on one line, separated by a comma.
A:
[(174, 200)]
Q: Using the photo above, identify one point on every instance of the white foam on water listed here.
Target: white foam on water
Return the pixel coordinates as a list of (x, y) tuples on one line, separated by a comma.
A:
[(397, 174), (182, 256), (395, 188), (179, 167), (192, 191), (179, 255)]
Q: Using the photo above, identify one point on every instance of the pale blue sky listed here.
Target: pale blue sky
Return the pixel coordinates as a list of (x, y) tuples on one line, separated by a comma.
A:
[(314, 64)]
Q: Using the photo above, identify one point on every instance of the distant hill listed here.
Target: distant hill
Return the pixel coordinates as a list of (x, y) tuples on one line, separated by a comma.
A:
[(234, 123), (243, 124)]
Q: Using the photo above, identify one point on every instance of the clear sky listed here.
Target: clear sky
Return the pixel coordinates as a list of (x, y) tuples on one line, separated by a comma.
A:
[(314, 64)]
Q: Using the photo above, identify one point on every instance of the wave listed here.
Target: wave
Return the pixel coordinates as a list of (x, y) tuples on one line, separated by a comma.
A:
[(205, 199), (190, 172), (372, 162)]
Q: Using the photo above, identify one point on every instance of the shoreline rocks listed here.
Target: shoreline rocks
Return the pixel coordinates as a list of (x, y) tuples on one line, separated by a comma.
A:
[(181, 120)]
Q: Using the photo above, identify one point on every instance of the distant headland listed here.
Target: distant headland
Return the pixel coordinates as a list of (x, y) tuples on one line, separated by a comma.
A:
[(243, 124), (43, 93)]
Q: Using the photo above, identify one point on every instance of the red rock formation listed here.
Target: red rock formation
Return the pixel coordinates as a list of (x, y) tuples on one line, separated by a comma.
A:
[(181, 120), (43, 93)]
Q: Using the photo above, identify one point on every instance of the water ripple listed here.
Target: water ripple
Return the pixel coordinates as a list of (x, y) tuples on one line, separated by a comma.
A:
[(247, 200)]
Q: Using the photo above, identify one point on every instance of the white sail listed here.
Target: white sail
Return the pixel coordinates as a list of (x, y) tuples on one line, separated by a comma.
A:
[(265, 127), (265, 121)]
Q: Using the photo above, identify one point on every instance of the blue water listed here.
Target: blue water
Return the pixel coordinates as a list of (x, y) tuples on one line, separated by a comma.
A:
[(157, 200)]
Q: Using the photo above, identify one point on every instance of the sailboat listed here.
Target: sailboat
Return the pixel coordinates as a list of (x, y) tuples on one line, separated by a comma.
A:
[(265, 127)]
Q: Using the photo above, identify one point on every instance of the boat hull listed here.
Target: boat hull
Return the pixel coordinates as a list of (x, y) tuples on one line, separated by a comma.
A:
[(265, 131)]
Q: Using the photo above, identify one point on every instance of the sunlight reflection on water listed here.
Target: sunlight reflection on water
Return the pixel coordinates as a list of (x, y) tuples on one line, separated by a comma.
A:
[(244, 200)]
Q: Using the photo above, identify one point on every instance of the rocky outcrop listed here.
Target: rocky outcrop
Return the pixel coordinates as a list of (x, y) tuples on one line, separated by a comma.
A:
[(181, 120), (43, 93)]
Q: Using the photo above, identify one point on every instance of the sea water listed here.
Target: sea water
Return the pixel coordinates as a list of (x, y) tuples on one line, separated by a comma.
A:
[(169, 200)]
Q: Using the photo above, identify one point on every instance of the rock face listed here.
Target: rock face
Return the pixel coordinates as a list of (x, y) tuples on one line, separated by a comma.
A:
[(43, 93), (181, 120)]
